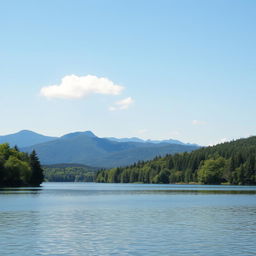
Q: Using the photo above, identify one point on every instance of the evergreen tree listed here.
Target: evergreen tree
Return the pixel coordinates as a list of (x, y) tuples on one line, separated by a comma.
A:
[(37, 176), (231, 162)]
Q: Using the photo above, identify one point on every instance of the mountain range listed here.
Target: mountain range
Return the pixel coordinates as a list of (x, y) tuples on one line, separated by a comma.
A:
[(135, 139), (86, 148)]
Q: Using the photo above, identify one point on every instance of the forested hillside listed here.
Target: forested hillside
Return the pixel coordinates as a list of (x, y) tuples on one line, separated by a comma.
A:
[(232, 162), (69, 173), (18, 168)]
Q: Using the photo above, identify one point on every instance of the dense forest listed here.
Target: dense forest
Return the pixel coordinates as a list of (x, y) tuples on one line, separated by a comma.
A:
[(18, 168), (62, 173), (231, 163)]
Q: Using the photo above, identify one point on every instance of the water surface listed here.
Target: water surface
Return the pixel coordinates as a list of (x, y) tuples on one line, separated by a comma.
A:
[(128, 219)]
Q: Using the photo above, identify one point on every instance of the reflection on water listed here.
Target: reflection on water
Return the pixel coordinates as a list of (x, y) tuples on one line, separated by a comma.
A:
[(20, 190), (94, 188), (127, 219)]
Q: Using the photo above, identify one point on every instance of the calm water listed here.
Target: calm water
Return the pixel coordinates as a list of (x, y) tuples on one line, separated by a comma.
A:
[(128, 219)]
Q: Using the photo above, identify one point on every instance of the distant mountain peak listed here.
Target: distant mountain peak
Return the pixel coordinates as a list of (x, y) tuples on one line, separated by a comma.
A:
[(26, 132), (25, 138), (76, 134), (89, 133)]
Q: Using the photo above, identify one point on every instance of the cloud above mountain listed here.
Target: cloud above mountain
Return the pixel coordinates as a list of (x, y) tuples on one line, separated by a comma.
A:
[(76, 87), (122, 104)]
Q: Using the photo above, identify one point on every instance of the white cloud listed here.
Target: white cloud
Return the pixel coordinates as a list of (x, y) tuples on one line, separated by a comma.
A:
[(122, 104), (198, 122), (75, 87), (125, 103)]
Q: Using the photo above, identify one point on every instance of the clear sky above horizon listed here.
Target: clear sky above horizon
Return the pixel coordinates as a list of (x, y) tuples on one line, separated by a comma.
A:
[(175, 69)]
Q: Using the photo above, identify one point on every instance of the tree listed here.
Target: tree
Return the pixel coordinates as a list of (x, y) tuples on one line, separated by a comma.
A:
[(2, 170), (17, 172), (233, 162), (37, 176), (211, 171)]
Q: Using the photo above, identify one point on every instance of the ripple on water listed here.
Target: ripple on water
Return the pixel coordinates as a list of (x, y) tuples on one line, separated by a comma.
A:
[(81, 222)]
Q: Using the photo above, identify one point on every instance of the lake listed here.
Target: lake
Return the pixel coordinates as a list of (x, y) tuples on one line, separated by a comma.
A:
[(128, 219)]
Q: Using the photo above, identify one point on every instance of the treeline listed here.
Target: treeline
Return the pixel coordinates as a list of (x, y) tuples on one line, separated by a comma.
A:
[(19, 168), (69, 174), (232, 163)]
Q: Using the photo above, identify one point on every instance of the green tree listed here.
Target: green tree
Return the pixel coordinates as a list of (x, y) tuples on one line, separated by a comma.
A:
[(238, 166), (211, 171), (17, 172), (37, 176)]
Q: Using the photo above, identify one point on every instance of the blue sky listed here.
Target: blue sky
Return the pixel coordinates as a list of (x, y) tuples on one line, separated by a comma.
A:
[(178, 69)]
